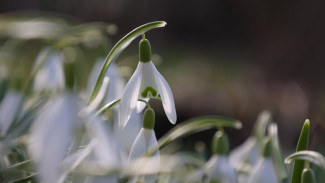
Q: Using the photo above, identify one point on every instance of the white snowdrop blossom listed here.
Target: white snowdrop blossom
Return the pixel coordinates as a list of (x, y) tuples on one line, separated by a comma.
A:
[(146, 141), (51, 135), (8, 108), (264, 171), (246, 154), (144, 144), (218, 169), (146, 82), (50, 76)]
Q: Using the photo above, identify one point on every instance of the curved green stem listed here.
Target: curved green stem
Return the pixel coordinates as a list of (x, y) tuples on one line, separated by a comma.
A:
[(118, 48)]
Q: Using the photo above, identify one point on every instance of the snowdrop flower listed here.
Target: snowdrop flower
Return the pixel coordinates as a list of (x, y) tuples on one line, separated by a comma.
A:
[(8, 108), (264, 171), (51, 74), (51, 135), (218, 168), (146, 82), (246, 155), (145, 142)]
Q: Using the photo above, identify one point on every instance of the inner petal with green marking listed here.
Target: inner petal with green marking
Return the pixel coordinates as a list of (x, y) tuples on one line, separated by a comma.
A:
[(149, 92)]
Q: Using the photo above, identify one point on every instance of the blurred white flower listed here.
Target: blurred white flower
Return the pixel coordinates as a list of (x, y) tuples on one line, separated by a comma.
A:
[(52, 134), (116, 83), (218, 169), (264, 172), (146, 141), (106, 152), (50, 76), (8, 108), (143, 146), (246, 155)]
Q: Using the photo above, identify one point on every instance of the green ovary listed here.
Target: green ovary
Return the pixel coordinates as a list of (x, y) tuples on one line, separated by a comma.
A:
[(146, 91)]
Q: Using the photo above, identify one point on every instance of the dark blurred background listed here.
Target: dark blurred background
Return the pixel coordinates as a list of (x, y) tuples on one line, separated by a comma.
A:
[(225, 57)]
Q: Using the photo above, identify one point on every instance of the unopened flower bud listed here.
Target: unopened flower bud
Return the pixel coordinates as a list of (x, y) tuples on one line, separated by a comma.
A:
[(149, 119), (144, 51), (220, 144)]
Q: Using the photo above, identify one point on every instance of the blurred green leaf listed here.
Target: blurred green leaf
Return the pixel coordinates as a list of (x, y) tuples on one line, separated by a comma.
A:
[(196, 125), (277, 152), (311, 156), (118, 48)]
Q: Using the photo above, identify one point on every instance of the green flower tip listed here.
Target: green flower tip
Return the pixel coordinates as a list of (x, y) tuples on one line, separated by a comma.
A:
[(267, 148), (220, 143), (308, 176), (144, 50), (149, 119)]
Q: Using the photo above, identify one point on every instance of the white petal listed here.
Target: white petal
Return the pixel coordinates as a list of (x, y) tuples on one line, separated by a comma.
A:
[(51, 75), (116, 85), (148, 79), (130, 97), (141, 105), (126, 137), (73, 160), (52, 134), (219, 169), (106, 151), (166, 95), (8, 109), (264, 171), (145, 141), (247, 153)]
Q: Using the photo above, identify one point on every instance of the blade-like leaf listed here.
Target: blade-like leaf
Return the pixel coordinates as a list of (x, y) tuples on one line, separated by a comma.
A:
[(196, 125), (311, 156), (277, 153), (118, 48), (299, 165)]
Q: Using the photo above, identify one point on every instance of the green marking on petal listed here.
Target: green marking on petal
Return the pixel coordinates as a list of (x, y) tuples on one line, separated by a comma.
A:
[(146, 91)]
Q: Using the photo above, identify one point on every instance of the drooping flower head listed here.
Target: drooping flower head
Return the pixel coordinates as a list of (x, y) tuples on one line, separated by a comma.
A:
[(264, 170), (144, 143), (146, 82)]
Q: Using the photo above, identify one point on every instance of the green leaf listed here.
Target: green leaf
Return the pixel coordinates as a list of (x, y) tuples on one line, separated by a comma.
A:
[(260, 126), (118, 48), (299, 165), (311, 156), (196, 125), (277, 153)]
